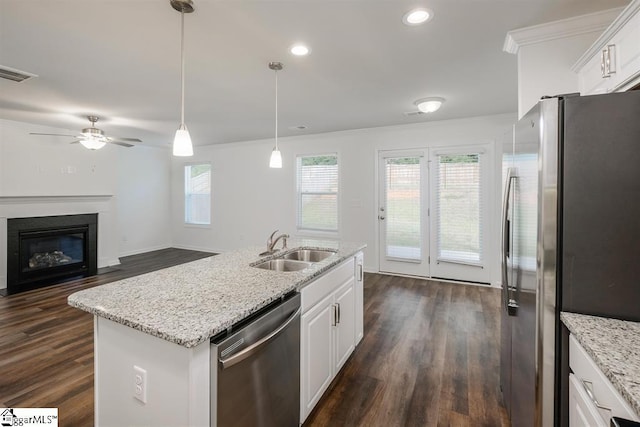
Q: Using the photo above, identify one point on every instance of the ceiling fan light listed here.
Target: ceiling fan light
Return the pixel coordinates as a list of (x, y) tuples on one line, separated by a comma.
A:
[(182, 142), (92, 143), (275, 161), (429, 105)]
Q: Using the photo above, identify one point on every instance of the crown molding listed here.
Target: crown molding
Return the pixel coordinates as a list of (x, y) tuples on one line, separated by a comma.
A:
[(577, 25)]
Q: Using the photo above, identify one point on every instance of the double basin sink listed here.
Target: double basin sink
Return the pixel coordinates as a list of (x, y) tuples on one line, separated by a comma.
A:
[(296, 260)]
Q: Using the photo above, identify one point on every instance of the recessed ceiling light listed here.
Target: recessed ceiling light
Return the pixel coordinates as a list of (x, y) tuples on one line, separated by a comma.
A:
[(299, 50), (417, 16), (429, 105)]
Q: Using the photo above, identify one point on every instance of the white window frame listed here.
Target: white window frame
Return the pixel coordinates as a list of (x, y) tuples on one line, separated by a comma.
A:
[(303, 231), (185, 195)]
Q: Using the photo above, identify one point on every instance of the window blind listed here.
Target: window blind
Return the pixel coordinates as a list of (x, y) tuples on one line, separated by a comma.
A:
[(459, 208), (197, 193), (317, 184), (403, 207)]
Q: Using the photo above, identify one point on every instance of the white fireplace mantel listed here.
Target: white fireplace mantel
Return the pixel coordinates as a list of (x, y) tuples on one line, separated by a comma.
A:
[(33, 206), (53, 199)]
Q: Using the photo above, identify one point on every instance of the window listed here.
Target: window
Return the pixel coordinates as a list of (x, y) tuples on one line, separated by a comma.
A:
[(197, 194), (317, 188), (403, 178), (459, 208)]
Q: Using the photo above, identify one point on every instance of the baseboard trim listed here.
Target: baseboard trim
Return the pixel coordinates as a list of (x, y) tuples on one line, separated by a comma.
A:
[(200, 249), (437, 279), (145, 250)]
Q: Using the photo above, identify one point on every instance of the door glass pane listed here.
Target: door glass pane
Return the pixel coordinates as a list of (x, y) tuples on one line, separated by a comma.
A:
[(403, 231), (459, 208)]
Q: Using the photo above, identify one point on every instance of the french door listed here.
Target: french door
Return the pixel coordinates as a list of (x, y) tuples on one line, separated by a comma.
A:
[(459, 205), (403, 212)]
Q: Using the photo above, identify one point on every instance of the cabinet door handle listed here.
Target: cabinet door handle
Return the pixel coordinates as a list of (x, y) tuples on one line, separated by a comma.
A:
[(360, 272), (334, 320), (589, 389), (603, 55), (610, 63), (338, 312)]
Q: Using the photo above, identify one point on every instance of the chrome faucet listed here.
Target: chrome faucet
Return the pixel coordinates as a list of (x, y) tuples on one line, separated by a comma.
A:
[(271, 242)]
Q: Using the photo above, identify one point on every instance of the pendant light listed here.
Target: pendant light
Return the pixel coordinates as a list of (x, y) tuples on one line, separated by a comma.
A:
[(182, 141), (276, 157)]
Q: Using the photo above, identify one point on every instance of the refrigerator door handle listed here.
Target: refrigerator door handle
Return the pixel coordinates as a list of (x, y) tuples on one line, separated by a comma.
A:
[(509, 303)]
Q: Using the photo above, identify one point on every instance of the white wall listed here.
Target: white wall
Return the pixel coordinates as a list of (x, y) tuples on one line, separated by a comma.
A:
[(249, 200), (45, 175), (143, 199), (33, 165), (544, 69)]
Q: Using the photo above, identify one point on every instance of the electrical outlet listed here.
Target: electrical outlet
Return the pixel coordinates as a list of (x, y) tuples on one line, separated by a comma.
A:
[(140, 384)]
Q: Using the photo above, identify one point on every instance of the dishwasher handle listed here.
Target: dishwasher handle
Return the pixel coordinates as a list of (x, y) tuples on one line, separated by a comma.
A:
[(253, 348)]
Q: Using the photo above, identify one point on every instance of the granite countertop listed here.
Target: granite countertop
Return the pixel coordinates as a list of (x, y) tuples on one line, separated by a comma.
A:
[(189, 303), (614, 345)]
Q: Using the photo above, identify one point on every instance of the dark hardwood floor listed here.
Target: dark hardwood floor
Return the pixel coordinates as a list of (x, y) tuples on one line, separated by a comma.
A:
[(429, 356), (46, 346)]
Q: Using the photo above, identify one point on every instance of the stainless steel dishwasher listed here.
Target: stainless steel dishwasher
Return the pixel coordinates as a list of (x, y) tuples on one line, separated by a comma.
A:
[(255, 369)]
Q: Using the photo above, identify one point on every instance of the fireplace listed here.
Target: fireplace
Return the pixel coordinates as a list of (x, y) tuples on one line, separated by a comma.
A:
[(42, 251)]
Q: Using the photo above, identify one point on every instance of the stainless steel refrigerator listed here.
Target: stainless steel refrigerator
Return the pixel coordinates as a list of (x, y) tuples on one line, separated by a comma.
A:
[(570, 240)]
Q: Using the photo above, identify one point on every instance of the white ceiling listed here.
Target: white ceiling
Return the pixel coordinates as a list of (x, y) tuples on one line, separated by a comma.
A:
[(120, 60)]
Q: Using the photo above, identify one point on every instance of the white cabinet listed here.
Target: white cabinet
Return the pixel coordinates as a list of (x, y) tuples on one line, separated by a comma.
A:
[(316, 357), (344, 325), (613, 61), (582, 411), (328, 332), (592, 398), (359, 296), (593, 80), (627, 47)]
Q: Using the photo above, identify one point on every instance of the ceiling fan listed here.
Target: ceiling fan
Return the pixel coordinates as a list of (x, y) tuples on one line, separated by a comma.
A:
[(94, 138)]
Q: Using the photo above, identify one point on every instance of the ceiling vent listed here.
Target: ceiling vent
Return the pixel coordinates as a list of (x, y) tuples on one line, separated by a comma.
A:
[(14, 75)]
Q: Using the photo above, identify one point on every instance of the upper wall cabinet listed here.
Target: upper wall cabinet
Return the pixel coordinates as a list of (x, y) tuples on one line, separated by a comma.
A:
[(612, 63)]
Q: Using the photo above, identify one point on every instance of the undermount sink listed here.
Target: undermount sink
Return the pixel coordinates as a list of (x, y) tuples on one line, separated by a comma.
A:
[(309, 255), (281, 264)]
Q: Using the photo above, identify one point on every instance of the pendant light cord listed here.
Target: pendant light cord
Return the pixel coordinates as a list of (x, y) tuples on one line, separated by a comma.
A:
[(182, 67), (276, 71)]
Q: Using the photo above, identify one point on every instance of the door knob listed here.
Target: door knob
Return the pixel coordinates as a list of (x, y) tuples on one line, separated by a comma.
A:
[(380, 217)]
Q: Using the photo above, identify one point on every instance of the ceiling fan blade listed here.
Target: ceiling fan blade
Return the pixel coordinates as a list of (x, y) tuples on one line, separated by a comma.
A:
[(117, 138), (124, 144), (53, 134)]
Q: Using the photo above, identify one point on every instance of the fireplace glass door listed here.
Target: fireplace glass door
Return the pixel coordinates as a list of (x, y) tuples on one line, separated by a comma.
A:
[(47, 249)]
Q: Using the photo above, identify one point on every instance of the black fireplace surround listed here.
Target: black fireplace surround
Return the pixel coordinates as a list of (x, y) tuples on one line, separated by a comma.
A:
[(42, 251)]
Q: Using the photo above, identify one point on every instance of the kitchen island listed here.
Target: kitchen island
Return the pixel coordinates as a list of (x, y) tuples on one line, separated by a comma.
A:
[(161, 322)]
